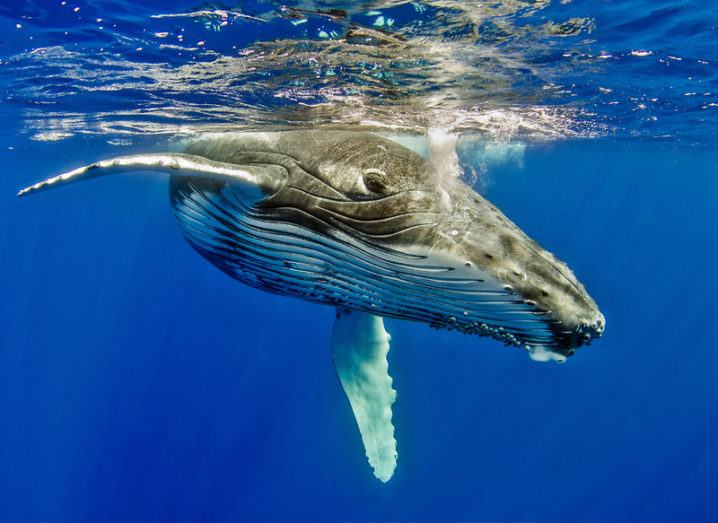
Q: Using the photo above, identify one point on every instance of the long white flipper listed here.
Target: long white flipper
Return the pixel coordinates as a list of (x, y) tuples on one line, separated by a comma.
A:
[(359, 349), (265, 177)]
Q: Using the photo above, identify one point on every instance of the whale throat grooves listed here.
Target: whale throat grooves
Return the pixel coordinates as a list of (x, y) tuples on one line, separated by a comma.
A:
[(360, 345)]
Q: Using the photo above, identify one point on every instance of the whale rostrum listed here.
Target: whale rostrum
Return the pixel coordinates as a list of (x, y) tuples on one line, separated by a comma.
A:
[(362, 223)]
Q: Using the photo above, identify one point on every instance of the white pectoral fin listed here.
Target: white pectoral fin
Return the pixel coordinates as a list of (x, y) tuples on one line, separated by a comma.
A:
[(359, 348), (266, 178)]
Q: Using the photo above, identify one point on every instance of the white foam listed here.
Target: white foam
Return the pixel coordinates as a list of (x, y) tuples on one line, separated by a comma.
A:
[(542, 355), (442, 153)]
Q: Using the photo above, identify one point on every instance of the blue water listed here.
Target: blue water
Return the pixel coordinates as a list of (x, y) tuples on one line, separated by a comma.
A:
[(139, 383)]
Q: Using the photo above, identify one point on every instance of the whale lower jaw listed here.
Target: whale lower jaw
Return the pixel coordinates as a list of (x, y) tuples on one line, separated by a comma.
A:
[(339, 270)]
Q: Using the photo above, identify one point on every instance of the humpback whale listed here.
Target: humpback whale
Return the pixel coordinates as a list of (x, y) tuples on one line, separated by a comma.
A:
[(362, 223)]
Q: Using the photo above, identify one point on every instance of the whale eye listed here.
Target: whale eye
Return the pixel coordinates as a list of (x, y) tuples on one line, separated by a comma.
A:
[(373, 181)]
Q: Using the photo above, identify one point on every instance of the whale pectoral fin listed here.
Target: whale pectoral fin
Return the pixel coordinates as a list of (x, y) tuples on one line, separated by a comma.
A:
[(265, 178), (359, 348)]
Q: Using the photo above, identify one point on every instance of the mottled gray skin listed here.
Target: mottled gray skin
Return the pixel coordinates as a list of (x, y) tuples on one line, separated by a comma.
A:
[(389, 197)]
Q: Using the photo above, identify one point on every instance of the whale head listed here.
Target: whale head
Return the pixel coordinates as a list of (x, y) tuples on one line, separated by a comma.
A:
[(361, 222)]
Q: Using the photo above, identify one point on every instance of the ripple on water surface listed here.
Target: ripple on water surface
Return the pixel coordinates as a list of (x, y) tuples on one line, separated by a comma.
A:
[(512, 69)]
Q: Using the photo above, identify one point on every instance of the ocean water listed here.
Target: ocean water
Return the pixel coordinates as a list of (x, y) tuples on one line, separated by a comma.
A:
[(139, 383)]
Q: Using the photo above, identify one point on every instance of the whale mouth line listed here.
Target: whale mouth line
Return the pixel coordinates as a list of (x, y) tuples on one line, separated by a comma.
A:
[(364, 204)]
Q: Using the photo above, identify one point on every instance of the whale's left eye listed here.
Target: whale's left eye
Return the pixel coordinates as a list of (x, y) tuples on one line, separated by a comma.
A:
[(373, 181)]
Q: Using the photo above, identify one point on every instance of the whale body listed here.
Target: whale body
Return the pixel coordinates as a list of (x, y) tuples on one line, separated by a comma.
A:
[(359, 222)]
